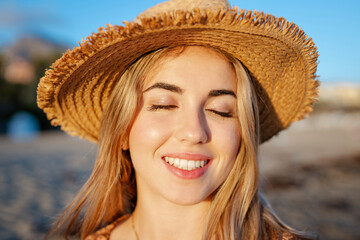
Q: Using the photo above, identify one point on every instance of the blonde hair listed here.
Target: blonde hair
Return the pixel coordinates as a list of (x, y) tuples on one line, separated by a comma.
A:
[(237, 210)]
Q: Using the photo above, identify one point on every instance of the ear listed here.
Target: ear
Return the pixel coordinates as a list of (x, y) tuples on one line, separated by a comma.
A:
[(125, 145)]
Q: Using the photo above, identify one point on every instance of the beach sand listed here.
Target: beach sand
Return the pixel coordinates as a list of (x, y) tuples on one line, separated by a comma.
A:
[(310, 174)]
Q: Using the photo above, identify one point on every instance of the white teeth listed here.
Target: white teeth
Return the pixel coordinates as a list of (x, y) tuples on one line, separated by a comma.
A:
[(197, 164), (191, 164), (185, 164), (176, 162)]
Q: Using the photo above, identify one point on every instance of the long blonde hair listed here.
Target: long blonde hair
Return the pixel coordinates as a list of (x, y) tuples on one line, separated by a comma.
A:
[(237, 210)]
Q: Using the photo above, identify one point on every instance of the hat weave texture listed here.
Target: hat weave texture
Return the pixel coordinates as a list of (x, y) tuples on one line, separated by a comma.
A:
[(280, 58)]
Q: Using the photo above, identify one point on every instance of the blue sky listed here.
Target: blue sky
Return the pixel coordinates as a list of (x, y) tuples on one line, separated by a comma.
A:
[(333, 25)]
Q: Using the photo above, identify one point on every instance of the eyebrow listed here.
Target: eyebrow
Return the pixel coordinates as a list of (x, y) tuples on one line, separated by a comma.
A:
[(220, 92), (166, 86), (176, 89)]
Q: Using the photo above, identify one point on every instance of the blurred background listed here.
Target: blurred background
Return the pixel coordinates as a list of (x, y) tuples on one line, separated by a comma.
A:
[(310, 172)]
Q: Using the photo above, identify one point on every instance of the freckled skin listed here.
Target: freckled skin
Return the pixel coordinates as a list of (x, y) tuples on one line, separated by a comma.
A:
[(191, 122)]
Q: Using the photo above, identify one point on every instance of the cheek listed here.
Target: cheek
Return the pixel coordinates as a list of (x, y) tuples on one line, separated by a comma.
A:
[(227, 139), (148, 131)]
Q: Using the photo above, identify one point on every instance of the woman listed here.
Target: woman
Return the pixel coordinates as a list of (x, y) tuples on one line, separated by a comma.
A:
[(178, 102)]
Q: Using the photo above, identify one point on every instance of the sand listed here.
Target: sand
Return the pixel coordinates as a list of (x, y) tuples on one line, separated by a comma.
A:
[(310, 174)]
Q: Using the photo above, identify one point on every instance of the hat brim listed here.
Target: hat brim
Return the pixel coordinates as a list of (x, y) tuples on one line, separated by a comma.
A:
[(280, 58)]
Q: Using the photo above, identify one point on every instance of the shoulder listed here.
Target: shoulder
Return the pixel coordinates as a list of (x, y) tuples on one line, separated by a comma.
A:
[(105, 232)]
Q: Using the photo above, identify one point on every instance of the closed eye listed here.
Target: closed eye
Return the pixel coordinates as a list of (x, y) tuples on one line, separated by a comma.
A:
[(222, 114), (169, 107), (160, 107)]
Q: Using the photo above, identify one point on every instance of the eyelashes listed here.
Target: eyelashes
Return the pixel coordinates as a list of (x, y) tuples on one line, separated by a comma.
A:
[(159, 107), (222, 114), (170, 107)]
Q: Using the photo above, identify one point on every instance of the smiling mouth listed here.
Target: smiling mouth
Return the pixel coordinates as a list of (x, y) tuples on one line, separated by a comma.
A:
[(185, 164)]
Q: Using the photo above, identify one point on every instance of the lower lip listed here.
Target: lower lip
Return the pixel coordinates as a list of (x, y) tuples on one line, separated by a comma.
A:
[(187, 174)]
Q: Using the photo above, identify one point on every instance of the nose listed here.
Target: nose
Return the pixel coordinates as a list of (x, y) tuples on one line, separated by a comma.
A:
[(193, 128)]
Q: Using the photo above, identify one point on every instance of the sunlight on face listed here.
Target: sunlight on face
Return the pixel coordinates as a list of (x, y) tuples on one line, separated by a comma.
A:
[(186, 134)]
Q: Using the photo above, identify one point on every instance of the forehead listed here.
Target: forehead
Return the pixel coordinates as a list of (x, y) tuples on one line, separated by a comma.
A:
[(193, 66)]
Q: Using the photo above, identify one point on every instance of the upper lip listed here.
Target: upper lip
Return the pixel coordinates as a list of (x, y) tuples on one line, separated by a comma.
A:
[(188, 156)]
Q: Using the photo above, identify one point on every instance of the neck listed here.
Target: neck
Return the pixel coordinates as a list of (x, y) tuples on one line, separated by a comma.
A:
[(162, 219)]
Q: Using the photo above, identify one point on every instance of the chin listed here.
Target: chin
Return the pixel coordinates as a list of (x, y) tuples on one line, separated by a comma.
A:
[(188, 197)]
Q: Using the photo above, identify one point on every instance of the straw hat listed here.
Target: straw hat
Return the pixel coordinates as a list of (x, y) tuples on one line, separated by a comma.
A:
[(280, 58)]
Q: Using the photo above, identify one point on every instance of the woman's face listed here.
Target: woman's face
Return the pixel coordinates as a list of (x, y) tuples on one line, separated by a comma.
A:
[(186, 134)]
